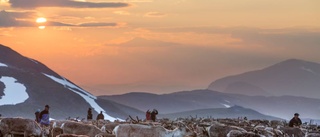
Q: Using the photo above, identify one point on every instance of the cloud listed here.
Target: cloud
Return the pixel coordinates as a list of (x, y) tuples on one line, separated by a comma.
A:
[(97, 24), (53, 23), (64, 3), (13, 19), (155, 14), (122, 12), (89, 24), (22, 14), (280, 44), (188, 38), (8, 19)]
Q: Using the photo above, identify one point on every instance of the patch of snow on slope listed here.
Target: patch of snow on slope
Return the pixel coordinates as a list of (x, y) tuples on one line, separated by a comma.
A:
[(66, 83), (309, 70), (227, 106), (87, 97), (34, 61), (94, 105), (227, 101), (3, 65), (14, 93)]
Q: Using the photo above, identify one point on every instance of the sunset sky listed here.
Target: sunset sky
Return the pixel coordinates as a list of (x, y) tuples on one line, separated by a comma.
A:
[(159, 46)]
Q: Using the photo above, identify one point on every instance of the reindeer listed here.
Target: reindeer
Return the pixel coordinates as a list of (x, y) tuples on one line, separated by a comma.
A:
[(221, 130), (71, 135), (105, 135), (313, 135), (81, 129), (27, 127), (56, 131), (238, 133), (110, 126), (292, 131), (136, 130)]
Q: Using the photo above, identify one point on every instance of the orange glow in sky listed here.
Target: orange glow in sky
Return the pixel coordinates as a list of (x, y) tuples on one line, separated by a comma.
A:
[(159, 46), (42, 27)]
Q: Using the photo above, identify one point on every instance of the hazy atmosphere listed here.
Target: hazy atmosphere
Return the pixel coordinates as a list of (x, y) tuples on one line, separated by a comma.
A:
[(159, 46)]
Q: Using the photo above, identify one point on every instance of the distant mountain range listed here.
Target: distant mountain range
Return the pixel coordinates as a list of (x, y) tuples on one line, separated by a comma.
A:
[(275, 92), (232, 112), (27, 85), (291, 77), (282, 107)]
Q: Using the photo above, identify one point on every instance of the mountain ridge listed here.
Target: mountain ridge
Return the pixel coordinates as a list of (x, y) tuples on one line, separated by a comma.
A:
[(40, 86), (289, 77), (231, 112), (278, 106)]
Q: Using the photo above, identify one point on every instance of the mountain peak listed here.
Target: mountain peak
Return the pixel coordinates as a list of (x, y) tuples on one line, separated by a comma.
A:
[(290, 77), (294, 63), (37, 85)]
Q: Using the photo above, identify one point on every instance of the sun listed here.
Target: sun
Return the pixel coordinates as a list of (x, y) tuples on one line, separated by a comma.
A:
[(42, 27), (41, 20)]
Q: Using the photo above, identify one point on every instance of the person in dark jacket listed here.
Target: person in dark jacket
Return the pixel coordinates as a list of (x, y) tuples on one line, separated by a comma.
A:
[(148, 115), (37, 115), (100, 116), (44, 117), (89, 116), (153, 115), (295, 121)]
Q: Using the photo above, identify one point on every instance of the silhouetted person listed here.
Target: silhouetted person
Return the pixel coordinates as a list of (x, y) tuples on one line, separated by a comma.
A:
[(89, 116), (245, 118), (100, 116), (148, 115), (44, 116), (295, 121), (37, 115), (153, 115)]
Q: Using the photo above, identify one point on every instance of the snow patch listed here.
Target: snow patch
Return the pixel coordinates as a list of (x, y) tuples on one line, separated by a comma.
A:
[(34, 61), (3, 65), (227, 101), (309, 70), (94, 105), (66, 83), (225, 105), (14, 93), (85, 95)]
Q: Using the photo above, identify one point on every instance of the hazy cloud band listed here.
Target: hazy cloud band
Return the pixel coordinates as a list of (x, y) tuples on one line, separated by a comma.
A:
[(64, 3)]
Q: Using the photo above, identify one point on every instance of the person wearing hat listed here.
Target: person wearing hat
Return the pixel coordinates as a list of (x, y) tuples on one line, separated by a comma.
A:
[(89, 116), (295, 121), (154, 114), (44, 116), (100, 116)]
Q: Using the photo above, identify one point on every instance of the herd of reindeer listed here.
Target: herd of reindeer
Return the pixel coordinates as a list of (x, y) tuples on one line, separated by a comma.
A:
[(180, 127)]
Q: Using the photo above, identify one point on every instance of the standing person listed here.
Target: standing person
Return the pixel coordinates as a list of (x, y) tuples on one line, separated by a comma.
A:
[(44, 116), (153, 115), (100, 116), (245, 118), (148, 115), (37, 115), (89, 116), (295, 121)]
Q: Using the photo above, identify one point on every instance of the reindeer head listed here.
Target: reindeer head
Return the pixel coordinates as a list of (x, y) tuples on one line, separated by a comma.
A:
[(186, 131), (45, 131), (56, 131)]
